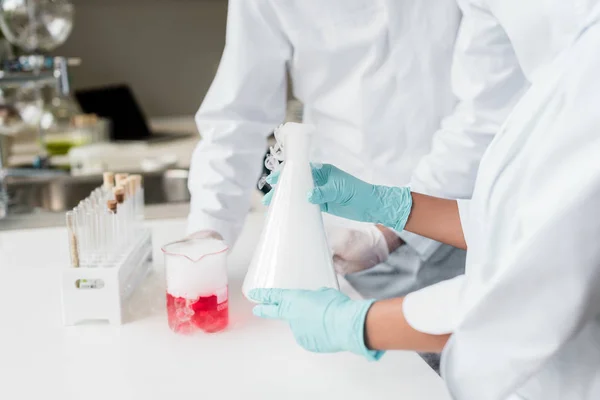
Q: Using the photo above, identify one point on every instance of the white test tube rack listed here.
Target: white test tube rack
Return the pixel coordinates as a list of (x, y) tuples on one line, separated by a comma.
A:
[(111, 251), (95, 294)]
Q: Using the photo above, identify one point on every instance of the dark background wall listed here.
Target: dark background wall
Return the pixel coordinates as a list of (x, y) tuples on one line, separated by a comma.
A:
[(167, 50)]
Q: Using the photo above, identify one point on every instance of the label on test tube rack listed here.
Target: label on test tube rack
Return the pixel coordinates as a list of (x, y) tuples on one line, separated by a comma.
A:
[(89, 284)]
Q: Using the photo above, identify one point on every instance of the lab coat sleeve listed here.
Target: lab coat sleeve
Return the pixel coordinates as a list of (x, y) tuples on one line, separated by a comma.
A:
[(487, 80), (465, 218), (433, 309), (246, 101)]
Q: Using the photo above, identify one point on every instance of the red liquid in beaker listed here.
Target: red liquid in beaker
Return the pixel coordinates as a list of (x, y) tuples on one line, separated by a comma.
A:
[(204, 313)]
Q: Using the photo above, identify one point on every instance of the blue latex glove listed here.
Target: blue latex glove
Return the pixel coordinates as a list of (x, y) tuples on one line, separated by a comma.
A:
[(341, 194), (322, 321)]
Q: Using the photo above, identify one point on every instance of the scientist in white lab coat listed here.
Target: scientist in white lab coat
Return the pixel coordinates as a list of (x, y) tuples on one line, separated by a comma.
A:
[(524, 321), (374, 77)]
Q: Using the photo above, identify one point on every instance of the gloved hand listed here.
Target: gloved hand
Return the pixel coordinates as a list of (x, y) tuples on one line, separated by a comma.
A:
[(322, 321), (341, 194), (356, 248)]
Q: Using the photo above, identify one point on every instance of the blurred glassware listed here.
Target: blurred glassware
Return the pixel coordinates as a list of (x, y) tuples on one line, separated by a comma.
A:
[(60, 111), (22, 108), (36, 25), (82, 130), (28, 102)]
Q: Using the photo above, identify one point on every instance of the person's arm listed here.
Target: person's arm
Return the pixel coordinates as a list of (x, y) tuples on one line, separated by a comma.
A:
[(246, 101), (422, 320), (386, 328), (327, 320), (341, 194), (436, 219)]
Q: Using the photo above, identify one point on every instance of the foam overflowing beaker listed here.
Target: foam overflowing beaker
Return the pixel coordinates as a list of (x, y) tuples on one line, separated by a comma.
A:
[(292, 252), (197, 294)]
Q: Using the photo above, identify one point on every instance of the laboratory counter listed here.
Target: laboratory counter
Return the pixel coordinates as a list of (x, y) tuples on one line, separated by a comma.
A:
[(143, 359)]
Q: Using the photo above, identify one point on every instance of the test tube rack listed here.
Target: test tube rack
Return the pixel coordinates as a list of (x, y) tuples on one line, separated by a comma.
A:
[(111, 251), (99, 293)]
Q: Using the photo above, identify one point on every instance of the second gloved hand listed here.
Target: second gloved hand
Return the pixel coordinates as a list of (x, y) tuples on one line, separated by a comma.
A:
[(346, 196), (358, 246), (322, 321)]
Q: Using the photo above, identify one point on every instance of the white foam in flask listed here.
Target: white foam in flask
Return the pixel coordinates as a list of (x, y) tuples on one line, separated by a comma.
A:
[(292, 252)]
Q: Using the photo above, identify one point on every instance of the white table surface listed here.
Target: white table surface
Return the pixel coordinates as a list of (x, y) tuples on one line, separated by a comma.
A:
[(143, 359)]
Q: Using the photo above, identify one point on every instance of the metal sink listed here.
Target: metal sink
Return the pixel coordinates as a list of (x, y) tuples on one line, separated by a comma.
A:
[(27, 194)]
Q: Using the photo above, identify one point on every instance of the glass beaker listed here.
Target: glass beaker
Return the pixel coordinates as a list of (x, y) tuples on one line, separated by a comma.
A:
[(196, 272)]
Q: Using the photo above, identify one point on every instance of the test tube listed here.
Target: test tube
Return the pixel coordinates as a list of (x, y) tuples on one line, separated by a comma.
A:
[(113, 225), (132, 203), (103, 225), (130, 208), (99, 196), (120, 179), (126, 202), (82, 234), (108, 181), (107, 234), (138, 197), (119, 193), (100, 234), (92, 235), (73, 243)]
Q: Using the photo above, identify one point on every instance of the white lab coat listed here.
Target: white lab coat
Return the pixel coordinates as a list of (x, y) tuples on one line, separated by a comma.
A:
[(374, 78), (526, 317)]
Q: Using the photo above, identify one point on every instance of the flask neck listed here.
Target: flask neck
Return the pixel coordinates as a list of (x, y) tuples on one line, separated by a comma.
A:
[(297, 146)]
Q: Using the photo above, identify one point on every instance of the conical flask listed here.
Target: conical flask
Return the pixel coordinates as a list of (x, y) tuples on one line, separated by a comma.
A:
[(292, 252)]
